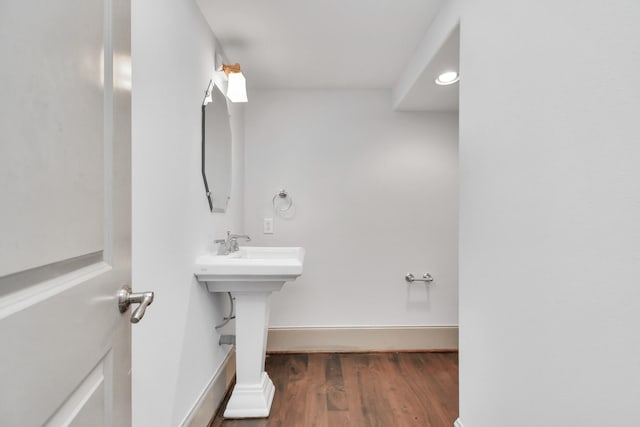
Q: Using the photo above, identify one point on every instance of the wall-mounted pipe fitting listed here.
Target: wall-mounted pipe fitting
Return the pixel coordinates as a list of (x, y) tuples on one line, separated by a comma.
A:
[(227, 339)]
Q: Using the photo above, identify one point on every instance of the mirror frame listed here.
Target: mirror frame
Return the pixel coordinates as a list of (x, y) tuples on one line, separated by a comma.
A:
[(204, 174)]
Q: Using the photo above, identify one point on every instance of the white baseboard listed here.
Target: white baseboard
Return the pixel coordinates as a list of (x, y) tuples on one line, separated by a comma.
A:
[(205, 407), (458, 423), (348, 339)]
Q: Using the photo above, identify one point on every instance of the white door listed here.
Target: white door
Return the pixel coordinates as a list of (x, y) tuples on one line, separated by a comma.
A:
[(65, 222)]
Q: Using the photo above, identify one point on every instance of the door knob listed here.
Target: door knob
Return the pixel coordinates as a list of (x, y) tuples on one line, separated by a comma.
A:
[(126, 298)]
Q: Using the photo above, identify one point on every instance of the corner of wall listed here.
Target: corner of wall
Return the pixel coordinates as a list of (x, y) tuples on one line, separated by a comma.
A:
[(204, 409), (444, 23)]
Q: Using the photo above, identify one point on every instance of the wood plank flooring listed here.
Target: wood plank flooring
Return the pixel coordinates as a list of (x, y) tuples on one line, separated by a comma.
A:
[(357, 389)]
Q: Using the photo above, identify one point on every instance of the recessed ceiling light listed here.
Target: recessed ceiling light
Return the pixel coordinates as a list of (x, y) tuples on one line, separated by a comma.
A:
[(447, 78)]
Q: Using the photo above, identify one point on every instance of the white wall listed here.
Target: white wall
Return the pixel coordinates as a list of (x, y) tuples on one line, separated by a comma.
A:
[(175, 350), (550, 208), (375, 195)]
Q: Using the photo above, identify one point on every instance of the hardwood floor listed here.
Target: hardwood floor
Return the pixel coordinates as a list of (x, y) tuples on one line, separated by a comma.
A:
[(373, 390)]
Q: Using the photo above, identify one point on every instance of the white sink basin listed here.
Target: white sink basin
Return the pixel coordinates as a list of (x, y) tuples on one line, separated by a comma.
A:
[(250, 268), (250, 274)]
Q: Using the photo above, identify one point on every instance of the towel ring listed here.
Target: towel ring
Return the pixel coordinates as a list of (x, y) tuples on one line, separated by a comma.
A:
[(282, 195)]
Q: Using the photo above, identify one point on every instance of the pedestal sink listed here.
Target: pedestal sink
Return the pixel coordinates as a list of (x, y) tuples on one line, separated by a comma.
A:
[(250, 274)]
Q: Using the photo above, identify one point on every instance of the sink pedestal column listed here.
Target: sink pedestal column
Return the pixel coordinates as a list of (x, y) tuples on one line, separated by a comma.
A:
[(253, 393)]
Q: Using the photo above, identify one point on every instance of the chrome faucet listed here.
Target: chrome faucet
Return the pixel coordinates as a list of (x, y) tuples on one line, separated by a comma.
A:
[(230, 244)]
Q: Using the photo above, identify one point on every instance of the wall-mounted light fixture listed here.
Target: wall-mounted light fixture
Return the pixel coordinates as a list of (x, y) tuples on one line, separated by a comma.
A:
[(237, 84), (447, 78)]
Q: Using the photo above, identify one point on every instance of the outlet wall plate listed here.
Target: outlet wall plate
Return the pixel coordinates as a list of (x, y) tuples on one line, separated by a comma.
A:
[(267, 226)]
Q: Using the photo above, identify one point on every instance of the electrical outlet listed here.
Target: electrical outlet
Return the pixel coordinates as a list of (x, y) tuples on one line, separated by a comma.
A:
[(267, 226)]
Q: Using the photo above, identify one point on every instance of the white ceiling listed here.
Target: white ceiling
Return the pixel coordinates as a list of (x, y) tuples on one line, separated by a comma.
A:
[(425, 95), (320, 44)]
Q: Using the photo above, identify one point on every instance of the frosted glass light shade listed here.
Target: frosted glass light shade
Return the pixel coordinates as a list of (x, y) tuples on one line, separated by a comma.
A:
[(237, 88)]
